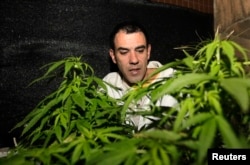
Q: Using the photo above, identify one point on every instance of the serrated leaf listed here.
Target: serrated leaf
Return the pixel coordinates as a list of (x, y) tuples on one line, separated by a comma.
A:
[(53, 66), (210, 52), (58, 132), (192, 144), (196, 119), (155, 156), (188, 61), (117, 153), (167, 136), (62, 158), (68, 65), (178, 83), (33, 121), (64, 118), (228, 49), (77, 153), (242, 50), (66, 93), (229, 137), (79, 100), (206, 138), (238, 89), (181, 113)]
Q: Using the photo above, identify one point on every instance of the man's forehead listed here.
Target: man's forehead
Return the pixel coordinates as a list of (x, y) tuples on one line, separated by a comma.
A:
[(136, 38), (137, 47), (122, 34)]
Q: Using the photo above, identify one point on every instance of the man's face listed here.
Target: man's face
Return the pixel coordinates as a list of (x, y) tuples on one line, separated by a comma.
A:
[(131, 54)]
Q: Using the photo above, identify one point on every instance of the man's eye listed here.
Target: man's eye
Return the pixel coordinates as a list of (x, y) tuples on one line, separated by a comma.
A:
[(123, 52), (140, 50)]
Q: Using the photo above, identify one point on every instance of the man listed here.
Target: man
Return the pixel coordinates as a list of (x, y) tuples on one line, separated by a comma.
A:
[(130, 51)]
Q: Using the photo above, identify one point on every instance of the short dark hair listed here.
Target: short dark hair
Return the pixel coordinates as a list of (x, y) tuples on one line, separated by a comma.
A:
[(128, 27)]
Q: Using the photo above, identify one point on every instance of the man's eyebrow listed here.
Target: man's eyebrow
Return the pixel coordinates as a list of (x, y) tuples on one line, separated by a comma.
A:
[(138, 47), (121, 48), (141, 47)]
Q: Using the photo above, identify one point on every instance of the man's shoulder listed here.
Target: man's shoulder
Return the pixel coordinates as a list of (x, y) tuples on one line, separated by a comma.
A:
[(169, 72), (154, 64), (157, 64), (113, 77), (164, 73)]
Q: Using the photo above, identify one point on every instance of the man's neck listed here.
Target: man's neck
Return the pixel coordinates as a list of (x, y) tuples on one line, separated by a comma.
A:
[(149, 79), (148, 76)]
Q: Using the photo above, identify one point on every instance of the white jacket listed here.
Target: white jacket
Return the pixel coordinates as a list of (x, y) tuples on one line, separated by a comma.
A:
[(115, 79)]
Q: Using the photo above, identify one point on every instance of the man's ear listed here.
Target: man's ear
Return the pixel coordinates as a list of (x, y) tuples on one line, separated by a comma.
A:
[(112, 55), (149, 51)]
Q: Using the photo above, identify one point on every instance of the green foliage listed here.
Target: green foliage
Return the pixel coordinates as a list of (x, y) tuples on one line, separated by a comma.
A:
[(80, 124)]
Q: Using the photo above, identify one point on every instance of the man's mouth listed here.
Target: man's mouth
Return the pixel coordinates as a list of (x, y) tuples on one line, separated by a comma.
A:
[(134, 71)]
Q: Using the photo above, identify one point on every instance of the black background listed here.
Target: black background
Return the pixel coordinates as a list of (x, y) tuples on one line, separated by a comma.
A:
[(37, 32)]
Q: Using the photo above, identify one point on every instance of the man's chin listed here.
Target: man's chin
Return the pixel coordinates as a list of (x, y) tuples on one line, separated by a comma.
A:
[(134, 81)]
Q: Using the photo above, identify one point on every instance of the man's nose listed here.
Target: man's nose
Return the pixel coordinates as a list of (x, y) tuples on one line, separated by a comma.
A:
[(133, 59)]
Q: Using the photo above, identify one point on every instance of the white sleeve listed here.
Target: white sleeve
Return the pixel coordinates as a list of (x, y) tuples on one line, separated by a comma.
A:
[(114, 79)]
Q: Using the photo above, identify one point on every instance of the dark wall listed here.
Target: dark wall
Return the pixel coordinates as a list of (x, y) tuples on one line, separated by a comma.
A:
[(36, 32)]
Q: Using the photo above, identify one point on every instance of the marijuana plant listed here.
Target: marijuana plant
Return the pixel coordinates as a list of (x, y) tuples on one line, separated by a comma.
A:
[(80, 124)]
